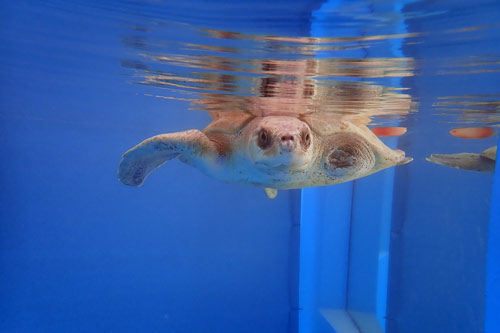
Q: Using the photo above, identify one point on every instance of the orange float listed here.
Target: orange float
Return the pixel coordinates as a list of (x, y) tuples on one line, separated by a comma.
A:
[(389, 131), (472, 132)]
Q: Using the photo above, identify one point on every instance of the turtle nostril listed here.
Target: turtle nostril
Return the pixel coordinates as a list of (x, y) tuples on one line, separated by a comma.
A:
[(287, 138)]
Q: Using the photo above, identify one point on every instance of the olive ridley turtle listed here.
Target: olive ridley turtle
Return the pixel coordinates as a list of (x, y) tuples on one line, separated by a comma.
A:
[(272, 152)]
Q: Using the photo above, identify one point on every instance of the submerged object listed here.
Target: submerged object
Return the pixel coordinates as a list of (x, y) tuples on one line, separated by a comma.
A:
[(484, 162), (388, 131), (272, 152), (472, 132)]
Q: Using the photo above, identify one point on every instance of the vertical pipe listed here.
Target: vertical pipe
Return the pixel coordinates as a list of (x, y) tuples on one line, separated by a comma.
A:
[(492, 320)]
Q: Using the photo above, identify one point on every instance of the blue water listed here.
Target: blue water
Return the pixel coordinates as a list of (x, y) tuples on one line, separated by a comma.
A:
[(413, 248)]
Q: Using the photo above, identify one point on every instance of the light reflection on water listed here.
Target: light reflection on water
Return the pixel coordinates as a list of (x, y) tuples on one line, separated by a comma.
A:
[(261, 74), (292, 81), (468, 109)]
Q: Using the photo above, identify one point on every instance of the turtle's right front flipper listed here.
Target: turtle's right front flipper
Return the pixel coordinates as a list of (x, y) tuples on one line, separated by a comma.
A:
[(138, 162), (464, 161)]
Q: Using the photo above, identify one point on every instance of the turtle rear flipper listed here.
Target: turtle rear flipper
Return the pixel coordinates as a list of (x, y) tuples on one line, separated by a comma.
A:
[(271, 192), (138, 162), (464, 161)]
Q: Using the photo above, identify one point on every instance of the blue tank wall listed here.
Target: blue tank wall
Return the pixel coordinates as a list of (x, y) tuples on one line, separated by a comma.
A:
[(439, 236), (492, 320), (421, 253)]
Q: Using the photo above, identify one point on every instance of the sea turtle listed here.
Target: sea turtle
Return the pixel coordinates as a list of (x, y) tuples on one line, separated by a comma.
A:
[(272, 152), (484, 162)]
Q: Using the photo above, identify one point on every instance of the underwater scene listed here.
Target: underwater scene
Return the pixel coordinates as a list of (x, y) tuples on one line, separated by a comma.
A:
[(250, 166)]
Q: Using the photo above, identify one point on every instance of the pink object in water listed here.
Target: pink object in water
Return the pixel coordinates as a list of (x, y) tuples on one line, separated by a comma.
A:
[(389, 131), (472, 132)]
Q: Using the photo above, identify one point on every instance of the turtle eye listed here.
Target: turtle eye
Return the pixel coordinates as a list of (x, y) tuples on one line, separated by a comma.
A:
[(306, 139), (264, 139)]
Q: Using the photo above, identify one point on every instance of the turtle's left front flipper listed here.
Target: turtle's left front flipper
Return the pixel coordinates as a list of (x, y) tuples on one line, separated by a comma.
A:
[(138, 162)]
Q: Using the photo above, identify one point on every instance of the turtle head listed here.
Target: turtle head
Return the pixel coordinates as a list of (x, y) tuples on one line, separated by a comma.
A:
[(281, 142), (354, 154)]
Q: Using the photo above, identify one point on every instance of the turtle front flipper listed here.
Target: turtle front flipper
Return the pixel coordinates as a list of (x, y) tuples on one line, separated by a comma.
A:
[(138, 162), (464, 161)]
